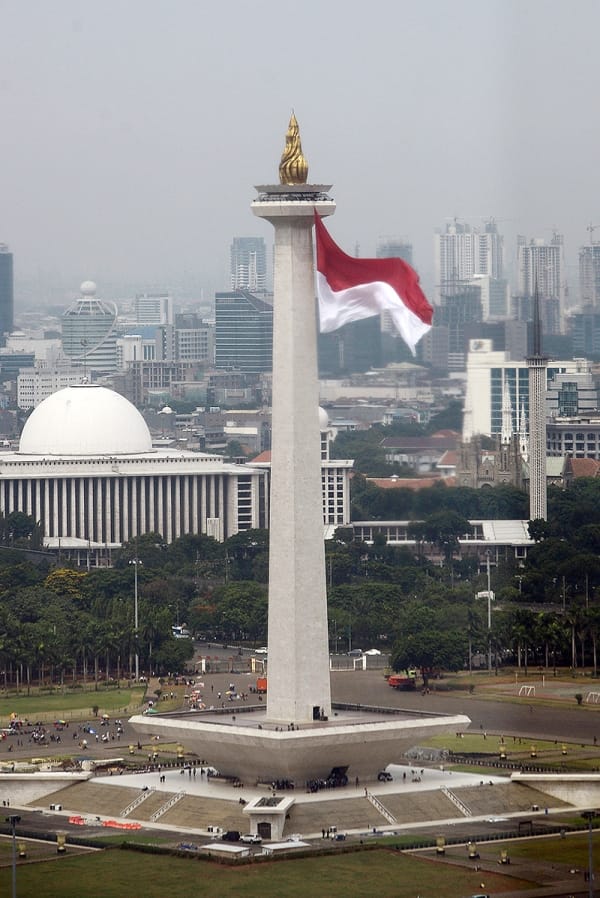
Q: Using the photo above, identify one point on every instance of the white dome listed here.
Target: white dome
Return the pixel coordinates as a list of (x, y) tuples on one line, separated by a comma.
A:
[(85, 420), (323, 419), (88, 288)]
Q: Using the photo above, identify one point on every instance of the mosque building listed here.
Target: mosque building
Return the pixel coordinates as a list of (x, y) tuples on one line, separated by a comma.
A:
[(86, 470)]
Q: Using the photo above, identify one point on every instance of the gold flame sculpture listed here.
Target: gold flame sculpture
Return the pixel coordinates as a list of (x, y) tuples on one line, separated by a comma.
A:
[(293, 168)]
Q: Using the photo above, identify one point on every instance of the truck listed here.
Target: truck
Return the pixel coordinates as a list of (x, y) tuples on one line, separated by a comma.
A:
[(261, 685)]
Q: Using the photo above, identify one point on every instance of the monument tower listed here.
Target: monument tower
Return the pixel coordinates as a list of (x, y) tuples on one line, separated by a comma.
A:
[(299, 689), (537, 363), (300, 736)]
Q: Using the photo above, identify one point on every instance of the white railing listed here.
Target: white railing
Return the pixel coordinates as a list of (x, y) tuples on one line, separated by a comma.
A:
[(456, 801), (381, 808), (137, 801), (165, 807)]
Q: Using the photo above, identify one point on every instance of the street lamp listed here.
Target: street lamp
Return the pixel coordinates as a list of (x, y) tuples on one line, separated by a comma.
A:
[(590, 816), (135, 562), (13, 820), (489, 601)]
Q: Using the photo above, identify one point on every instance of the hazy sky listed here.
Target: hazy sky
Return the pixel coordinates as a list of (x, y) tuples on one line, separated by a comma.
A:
[(132, 131)]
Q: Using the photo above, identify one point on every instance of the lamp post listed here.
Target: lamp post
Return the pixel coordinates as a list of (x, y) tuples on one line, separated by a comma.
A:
[(135, 562), (489, 601), (13, 820), (590, 816)]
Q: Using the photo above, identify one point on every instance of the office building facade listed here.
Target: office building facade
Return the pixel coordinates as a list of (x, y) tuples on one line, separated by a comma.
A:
[(249, 264), (489, 374), (89, 331), (589, 275), (243, 332), (463, 252), (541, 271)]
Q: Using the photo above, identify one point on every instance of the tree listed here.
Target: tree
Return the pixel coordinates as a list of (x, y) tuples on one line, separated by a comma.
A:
[(443, 529), (432, 636), (241, 610), (65, 582)]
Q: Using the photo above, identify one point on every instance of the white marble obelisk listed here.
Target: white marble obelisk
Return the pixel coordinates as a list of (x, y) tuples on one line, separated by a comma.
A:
[(537, 363), (298, 665)]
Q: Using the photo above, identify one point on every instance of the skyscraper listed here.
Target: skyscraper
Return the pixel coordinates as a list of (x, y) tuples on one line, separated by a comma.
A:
[(89, 331), (244, 332), (249, 264), (463, 251), (6, 292), (541, 269), (397, 248), (589, 274)]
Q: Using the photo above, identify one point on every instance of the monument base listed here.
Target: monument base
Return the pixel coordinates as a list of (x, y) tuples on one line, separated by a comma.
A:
[(248, 747)]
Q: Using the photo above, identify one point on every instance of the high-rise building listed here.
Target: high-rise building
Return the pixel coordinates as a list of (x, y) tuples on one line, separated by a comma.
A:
[(353, 348), (460, 306), (463, 252), (184, 344), (584, 327), (489, 373), (392, 248), (589, 274), (249, 264), (153, 308), (244, 332), (89, 333), (541, 269), (6, 292)]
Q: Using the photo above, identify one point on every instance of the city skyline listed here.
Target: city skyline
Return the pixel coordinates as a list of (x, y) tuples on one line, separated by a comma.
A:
[(129, 133)]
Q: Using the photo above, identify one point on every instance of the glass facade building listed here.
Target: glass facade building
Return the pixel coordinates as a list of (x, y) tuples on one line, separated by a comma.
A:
[(244, 332)]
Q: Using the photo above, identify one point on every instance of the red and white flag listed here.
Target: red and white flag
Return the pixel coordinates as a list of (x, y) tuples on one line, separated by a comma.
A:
[(351, 289)]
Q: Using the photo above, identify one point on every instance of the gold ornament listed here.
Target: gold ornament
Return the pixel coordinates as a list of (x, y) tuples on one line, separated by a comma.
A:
[(293, 168)]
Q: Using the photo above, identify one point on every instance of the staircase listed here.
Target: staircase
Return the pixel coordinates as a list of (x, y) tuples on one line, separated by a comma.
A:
[(465, 811), (166, 806), (137, 801), (381, 808)]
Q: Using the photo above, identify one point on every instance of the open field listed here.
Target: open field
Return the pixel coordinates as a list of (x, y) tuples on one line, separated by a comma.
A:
[(116, 873), (75, 705)]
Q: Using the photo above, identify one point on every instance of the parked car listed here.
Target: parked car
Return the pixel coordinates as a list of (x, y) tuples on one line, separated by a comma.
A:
[(251, 839), (263, 650), (232, 835), (356, 653)]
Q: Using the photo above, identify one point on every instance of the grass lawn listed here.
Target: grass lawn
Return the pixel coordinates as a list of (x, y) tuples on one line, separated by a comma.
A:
[(547, 750), (115, 873), (572, 850), (72, 706)]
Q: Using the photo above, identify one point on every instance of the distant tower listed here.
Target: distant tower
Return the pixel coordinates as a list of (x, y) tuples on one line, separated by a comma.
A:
[(537, 363), (589, 272), (6, 292), (249, 264), (506, 434), (299, 686), (463, 252), (387, 248), (89, 331), (541, 268)]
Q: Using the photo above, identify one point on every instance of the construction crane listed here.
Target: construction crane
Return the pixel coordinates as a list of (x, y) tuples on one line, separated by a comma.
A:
[(591, 228)]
